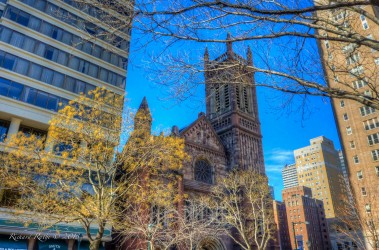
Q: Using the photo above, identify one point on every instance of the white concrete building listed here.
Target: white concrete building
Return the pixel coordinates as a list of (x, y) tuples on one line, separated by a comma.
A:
[(48, 56)]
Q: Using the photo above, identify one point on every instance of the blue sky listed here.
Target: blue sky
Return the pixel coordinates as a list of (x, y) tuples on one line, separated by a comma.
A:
[(283, 129)]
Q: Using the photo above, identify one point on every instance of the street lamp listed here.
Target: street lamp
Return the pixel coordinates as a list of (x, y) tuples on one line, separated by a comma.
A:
[(149, 234), (293, 228)]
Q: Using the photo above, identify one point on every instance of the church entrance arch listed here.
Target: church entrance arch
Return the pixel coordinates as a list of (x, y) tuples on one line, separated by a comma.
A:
[(211, 244)]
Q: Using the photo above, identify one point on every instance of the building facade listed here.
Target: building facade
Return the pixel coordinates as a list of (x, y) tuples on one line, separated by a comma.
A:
[(306, 219), (289, 175), (280, 215), (50, 52), (352, 67), (318, 167)]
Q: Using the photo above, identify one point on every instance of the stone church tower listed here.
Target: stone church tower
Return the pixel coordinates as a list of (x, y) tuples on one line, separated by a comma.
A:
[(232, 109)]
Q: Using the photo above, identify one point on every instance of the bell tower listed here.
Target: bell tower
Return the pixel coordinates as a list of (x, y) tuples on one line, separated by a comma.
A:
[(231, 105)]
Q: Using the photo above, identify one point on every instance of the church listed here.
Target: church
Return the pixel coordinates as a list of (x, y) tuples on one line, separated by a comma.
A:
[(228, 135)]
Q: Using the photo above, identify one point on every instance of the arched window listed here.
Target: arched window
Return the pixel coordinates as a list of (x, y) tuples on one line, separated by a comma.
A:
[(203, 172)]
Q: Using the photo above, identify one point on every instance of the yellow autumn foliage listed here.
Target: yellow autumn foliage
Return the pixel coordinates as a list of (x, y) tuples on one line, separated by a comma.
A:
[(79, 172)]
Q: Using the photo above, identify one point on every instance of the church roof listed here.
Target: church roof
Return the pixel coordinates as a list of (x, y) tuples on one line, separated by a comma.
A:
[(202, 124)]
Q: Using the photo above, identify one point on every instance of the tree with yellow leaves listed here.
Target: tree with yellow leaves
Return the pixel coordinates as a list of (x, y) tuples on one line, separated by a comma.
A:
[(80, 173)]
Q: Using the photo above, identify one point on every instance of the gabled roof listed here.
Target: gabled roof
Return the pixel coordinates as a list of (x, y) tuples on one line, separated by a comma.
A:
[(201, 132)]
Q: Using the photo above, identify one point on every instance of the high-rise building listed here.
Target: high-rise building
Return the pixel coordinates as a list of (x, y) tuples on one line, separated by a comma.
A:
[(351, 66), (318, 167), (289, 175), (307, 224), (50, 51)]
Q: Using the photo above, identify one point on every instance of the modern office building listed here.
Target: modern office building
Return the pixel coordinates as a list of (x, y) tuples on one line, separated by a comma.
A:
[(50, 51), (289, 175), (349, 66), (318, 167), (306, 219)]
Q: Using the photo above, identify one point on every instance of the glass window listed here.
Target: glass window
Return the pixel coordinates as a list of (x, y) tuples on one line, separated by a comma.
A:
[(30, 95), (58, 80), (70, 84), (40, 49), (32, 131), (9, 61), (103, 75), (106, 55), (360, 175), (47, 29), (73, 62), (5, 35), (40, 4), (67, 38), (96, 52), (22, 66), (52, 103), (17, 39), (4, 86), (80, 87), (15, 91), (35, 71), (49, 52), (4, 126), (29, 44), (93, 70), (23, 18), (87, 47), (41, 99), (47, 75), (34, 23), (62, 58), (12, 13), (57, 33)]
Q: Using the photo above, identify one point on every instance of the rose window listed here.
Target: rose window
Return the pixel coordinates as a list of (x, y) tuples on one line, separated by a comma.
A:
[(203, 172)]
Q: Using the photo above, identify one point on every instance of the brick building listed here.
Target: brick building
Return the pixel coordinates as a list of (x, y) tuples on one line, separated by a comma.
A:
[(306, 219), (349, 66), (281, 222)]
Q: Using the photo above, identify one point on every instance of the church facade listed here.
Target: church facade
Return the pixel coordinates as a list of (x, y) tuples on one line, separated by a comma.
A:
[(227, 136)]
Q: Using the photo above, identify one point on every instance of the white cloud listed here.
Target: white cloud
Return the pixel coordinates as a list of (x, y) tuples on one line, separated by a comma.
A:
[(274, 168), (279, 156)]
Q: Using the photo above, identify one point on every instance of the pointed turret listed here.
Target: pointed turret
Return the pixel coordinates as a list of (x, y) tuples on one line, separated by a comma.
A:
[(143, 119), (206, 55), (249, 56), (206, 59), (229, 44)]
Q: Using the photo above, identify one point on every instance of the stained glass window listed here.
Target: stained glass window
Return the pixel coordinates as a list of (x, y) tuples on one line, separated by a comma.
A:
[(203, 172)]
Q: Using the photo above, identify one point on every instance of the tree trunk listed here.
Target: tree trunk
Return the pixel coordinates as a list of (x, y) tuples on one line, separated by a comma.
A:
[(95, 244)]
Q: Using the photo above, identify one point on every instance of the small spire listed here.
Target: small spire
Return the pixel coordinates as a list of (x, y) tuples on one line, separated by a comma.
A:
[(206, 54), (206, 57), (144, 104), (143, 119), (249, 56), (229, 44)]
